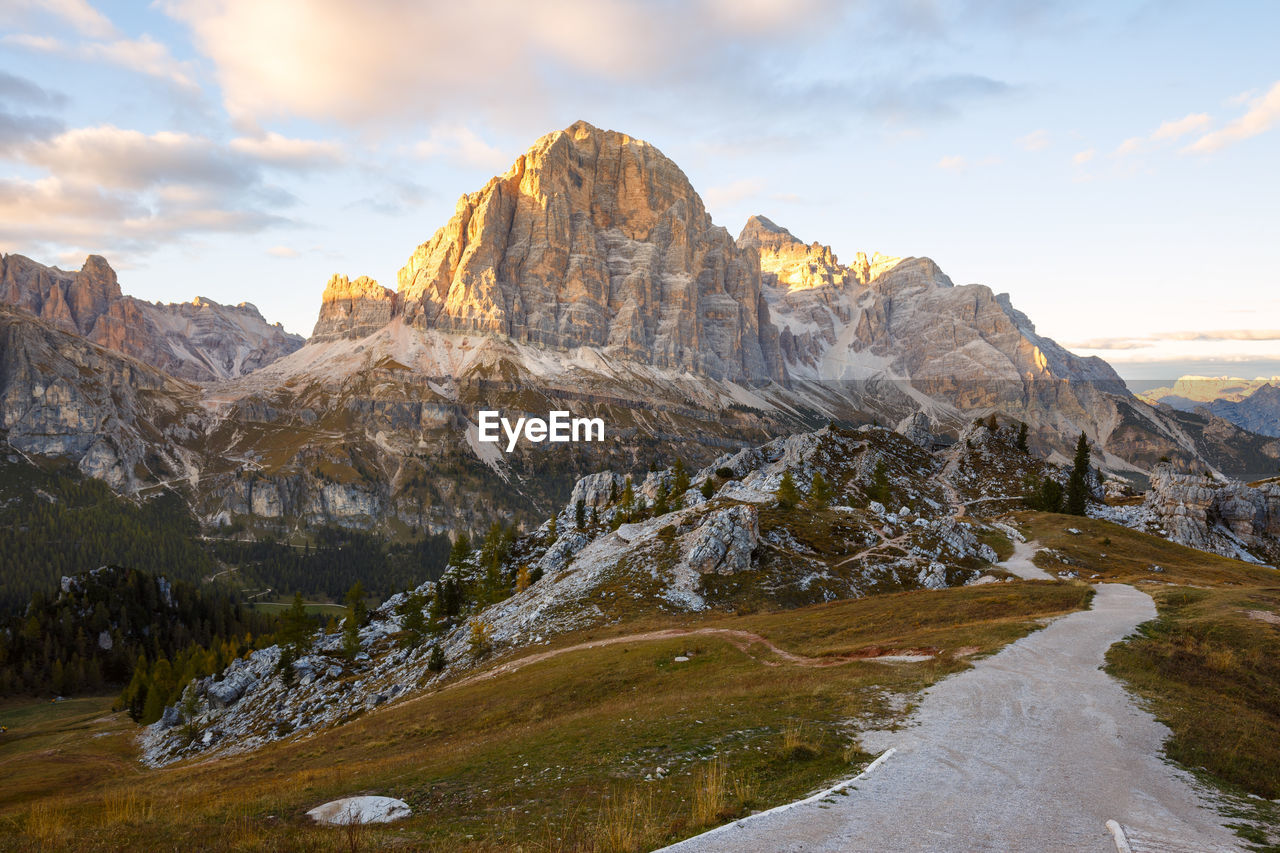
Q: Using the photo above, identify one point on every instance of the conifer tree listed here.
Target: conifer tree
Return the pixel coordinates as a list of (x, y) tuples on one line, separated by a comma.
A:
[(357, 610), (879, 489), (660, 506), (708, 488), (788, 495), (1022, 437), (819, 492), (580, 514), (680, 482), (1078, 484)]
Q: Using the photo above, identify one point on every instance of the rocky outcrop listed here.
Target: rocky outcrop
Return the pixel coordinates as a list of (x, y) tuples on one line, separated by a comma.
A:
[(199, 340), (725, 541), (1228, 517), (916, 428), (353, 309)]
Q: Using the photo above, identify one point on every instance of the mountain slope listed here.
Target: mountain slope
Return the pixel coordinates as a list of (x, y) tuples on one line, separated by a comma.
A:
[(589, 278), (118, 419), (199, 340)]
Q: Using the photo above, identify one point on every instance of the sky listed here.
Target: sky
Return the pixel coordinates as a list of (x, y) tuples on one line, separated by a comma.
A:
[(1114, 166)]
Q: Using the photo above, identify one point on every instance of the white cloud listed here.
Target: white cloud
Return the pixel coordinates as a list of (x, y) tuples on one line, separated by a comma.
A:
[(1037, 140), (1148, 341), (1132, 145), (463, 146), (79, 14), (44, 44), (959, 163), (733, 193), (52, 216), (143, 55), (1082, 157), (1189, 124), (109, 188), (512, 62), (128, 159), (282, 252), (1262, 115), (286, 152)]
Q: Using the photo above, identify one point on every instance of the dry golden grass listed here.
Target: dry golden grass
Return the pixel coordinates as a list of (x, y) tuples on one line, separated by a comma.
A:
[(710, 793), (518, 762)]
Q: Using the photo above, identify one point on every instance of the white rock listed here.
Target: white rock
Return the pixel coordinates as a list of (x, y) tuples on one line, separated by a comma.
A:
[(352, 810)]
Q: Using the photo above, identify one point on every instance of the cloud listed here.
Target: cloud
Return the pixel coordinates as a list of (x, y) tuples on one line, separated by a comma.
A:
[(1262, 115), (128, 159), (1132, 145), (1166, 132), (1082, 157), (143, 55), (1176, 129), (1148, 341), (281, 151), (282, 252), (933, 97), (959, 163), (22, 90), (51, 216), (115, 189), (1227, 335), (1037, 140), (18, 128), (391, 63), (1113, 344), (462, 146), (396, 196), (79, 14), (727, 195)]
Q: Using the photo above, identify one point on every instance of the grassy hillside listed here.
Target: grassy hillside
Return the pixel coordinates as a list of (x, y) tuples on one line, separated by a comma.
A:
[(551, 756)]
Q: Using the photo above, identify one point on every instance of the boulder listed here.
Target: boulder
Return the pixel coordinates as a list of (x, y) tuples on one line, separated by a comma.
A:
[(725, 541)]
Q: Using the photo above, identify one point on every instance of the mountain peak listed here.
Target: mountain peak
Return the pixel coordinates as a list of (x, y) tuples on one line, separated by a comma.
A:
[(763, 231), (594, 238)]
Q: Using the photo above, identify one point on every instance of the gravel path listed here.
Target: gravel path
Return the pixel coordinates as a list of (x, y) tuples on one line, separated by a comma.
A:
[(1034, 749)]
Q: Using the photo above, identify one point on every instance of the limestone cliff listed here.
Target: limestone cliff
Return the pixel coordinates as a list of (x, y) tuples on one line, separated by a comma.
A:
[(593, 238), (117, 419), (353, 309), (199, 340)]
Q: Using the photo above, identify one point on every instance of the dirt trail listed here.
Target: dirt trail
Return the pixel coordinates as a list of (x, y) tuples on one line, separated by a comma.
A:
[(1035, 748), (744, 641)]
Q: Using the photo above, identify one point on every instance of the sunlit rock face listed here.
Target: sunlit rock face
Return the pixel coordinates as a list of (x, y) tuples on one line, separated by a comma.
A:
[(199, 340), (593, 238), (353, 309)]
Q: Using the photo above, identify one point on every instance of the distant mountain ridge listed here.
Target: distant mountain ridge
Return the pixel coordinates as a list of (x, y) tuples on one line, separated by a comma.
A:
[(199, 340), (1249, 404), (589, 277)]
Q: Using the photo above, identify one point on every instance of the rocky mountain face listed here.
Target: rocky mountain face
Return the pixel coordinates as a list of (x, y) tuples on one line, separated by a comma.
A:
[(592, 238), (1259, 412), (199, 340), (590, 278), (902, 327), (120, 420)]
